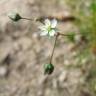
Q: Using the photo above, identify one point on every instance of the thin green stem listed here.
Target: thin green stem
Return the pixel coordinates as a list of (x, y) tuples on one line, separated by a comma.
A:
[(67, 34), (35, 20), (29, 19), (53, 48)]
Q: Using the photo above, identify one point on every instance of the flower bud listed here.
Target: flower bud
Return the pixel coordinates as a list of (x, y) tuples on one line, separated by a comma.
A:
[(48, 69), (14, 16)]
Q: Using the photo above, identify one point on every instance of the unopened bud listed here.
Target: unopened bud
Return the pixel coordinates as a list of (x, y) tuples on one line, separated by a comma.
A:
[(14, 16), (48, 69)]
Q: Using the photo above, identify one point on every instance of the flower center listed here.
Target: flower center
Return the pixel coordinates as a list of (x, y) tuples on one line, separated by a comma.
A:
[(49, 28)]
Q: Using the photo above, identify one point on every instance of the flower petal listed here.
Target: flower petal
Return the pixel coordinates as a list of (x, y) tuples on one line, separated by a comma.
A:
[(47, 22), (43, 33), (53, 23), (52, 33), (42, 28)]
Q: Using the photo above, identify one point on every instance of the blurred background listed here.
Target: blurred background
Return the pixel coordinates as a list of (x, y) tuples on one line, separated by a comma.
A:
[(23, 52)]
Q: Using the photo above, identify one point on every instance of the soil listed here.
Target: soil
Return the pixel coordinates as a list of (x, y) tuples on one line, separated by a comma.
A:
[(23, 52)]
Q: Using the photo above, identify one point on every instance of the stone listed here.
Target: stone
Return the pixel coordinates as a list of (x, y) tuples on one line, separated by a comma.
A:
[(3, 71)]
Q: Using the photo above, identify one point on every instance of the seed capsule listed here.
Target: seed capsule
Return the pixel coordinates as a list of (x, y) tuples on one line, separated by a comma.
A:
[(48, 69), (14, 16)]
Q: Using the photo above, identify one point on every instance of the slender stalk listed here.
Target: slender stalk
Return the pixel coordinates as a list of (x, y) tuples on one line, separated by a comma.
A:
[(29, 19), (67, 34), (36, 20), (53, 48)]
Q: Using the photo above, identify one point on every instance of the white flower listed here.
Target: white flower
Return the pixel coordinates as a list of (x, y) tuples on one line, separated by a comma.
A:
[(49, 27)]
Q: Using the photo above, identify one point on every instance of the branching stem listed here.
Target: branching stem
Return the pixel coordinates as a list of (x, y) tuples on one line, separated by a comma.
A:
[(56, 37)]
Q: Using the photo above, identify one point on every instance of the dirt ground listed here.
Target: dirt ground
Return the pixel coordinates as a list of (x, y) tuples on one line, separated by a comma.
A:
[(23, 53)]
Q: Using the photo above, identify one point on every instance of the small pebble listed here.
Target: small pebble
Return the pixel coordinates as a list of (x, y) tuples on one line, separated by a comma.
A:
[(3, 71)]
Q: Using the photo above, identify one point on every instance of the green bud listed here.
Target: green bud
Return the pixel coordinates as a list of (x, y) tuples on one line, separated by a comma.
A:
[(14, 16), (48, 69)]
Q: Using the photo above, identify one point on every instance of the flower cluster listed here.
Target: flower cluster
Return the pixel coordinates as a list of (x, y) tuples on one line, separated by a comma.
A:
[(48, 28)]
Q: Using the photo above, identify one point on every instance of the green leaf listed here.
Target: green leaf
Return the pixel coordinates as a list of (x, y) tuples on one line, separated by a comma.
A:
[(93, 7)]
